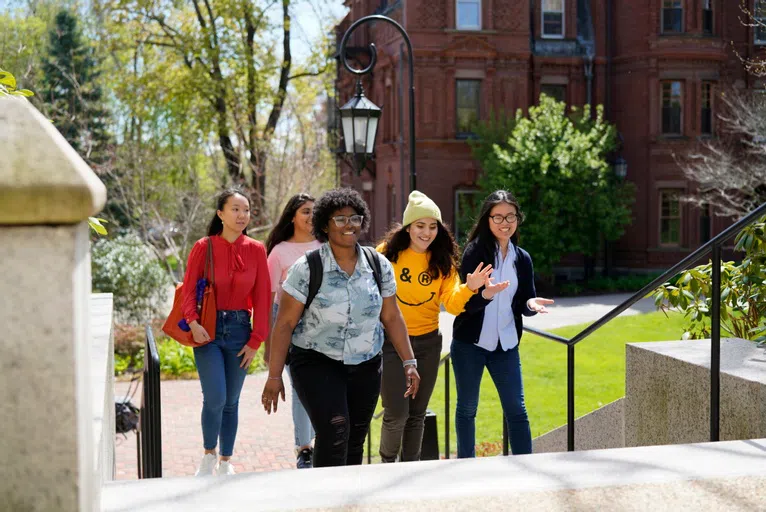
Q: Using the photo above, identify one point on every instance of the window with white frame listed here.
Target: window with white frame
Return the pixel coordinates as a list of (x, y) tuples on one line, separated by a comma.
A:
[(672, 108), (672, 16), (468, 203), (670, 217), (468, 15), (759, 20), (468, 95), (552, 18)]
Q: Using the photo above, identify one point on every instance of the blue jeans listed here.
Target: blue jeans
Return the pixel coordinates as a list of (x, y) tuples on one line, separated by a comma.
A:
[(302, 428), (468, 363), (222, 378)]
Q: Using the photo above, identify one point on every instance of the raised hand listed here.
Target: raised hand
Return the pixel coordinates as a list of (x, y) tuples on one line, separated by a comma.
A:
[(478, 277), (538, 304), (491, 289)]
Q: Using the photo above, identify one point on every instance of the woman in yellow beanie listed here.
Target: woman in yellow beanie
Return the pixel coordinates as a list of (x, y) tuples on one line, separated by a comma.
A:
[(424, 256)]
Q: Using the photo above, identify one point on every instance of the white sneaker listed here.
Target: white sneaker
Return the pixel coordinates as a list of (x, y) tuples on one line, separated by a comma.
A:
[(208, 465), (225, 468)]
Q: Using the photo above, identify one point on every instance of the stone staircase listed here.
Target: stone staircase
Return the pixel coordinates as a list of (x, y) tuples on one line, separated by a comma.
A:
[(722, 476)]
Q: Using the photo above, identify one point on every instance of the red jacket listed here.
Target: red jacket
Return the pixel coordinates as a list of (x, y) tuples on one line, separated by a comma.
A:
[(241, 281)]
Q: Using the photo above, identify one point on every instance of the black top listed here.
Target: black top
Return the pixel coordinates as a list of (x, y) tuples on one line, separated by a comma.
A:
[(467, 326)]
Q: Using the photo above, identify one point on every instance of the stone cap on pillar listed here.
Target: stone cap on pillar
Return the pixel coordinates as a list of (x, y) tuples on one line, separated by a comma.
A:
[(42, 178)]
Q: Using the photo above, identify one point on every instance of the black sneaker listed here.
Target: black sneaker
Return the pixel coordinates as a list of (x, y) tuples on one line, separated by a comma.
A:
[(304, 459)]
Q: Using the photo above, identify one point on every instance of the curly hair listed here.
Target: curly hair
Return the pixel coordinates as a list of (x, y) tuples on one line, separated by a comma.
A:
[(285, 229), (442, 253), (334, 200)]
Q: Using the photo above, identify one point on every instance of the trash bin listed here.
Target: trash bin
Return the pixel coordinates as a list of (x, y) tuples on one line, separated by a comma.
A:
[(430, 448)]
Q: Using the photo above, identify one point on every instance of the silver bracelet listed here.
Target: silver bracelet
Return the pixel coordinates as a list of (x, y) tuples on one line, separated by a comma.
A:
[(275, 378), (410, 362)]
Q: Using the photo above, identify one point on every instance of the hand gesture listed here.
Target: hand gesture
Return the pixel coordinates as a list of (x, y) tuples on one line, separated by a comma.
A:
[(478, 277), (273, 388), (538, 304), (413, 381), (491, 289)]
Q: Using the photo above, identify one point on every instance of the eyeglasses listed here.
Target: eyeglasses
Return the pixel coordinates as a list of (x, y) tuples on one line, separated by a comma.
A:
[(511, 218), (343, 220)]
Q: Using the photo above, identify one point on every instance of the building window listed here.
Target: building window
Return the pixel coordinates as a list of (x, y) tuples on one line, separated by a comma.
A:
[(467, 207), (555, 91), (707, 16), (672, 16), (670, 217), (553, 18), (759, 19), (706, 122), (468, 101), (468, 14), (672, 108)]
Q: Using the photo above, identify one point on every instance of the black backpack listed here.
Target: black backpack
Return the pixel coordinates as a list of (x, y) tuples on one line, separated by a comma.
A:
[(316, 272)]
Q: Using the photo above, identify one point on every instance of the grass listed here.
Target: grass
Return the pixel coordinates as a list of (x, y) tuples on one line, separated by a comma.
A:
[(599, 379)]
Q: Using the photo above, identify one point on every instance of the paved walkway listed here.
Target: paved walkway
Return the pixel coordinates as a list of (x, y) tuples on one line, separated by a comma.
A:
[(265, 443)]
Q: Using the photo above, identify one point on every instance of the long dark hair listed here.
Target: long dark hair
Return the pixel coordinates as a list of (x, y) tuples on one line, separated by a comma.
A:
[(442, 253), (285, 229), (481, 232), (216, 224)]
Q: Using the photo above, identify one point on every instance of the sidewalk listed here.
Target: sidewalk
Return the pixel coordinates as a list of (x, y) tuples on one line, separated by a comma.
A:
[(265, 443)]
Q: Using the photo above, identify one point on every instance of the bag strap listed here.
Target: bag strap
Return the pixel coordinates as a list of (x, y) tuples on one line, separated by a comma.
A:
[(316, 274), (209, 269), (373, 259)]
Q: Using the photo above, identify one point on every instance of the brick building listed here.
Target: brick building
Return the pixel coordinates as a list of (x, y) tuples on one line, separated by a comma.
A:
[(656, 67)]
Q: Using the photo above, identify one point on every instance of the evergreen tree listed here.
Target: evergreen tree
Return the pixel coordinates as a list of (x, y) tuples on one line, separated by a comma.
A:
[(71, 92)]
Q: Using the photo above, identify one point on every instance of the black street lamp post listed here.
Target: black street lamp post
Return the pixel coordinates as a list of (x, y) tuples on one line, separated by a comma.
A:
[(360, 116)]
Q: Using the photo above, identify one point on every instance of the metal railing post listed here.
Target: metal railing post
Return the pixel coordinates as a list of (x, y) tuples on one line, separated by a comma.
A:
[(715, 345), (571, 397), (446, 407), (505, 436), (150, 416)]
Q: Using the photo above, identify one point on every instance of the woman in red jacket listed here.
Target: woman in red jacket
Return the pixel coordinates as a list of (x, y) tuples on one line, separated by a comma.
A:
[(243, 290)]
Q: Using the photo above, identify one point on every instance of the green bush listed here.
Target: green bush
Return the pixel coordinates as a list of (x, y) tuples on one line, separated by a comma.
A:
[(127, 267), (743, 291)]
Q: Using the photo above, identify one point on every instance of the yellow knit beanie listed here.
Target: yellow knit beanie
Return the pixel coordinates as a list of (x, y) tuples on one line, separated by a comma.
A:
[(420, 206)]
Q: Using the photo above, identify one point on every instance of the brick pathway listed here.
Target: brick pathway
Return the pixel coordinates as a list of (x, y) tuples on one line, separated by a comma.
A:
[(264, 443)]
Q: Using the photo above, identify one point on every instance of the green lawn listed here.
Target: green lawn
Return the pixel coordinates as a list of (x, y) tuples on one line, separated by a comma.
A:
[(600, 379)]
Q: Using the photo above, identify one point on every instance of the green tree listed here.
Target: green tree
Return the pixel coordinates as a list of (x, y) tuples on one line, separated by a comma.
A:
[(71, 90), (556, 164)]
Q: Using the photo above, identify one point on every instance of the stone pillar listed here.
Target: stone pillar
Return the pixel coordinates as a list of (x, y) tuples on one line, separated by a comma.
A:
[(47, 193)]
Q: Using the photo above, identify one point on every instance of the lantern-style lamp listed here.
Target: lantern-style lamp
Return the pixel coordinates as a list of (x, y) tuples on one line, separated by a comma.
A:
[(620, 168), (359, 121)]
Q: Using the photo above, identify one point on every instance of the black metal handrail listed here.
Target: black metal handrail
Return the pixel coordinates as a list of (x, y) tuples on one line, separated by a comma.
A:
[(713, 247), (149, 439)]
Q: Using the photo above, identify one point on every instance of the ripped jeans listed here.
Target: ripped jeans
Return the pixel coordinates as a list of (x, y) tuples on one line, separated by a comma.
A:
[(340, 400)]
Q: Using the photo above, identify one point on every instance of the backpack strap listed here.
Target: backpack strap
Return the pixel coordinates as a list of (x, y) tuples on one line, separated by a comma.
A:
[(373, 259), (316, 273)]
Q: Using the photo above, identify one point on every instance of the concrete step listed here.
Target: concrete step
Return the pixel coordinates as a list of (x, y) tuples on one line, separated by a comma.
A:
[(707, 476)]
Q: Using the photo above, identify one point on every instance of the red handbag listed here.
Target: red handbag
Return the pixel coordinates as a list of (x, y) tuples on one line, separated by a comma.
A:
[(206, 307)]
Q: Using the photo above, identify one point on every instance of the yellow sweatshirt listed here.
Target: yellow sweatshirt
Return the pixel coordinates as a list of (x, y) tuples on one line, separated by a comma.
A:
[(419, 296)]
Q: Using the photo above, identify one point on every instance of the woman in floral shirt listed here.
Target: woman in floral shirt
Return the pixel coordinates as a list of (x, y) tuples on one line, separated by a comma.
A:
[(335, 344)]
